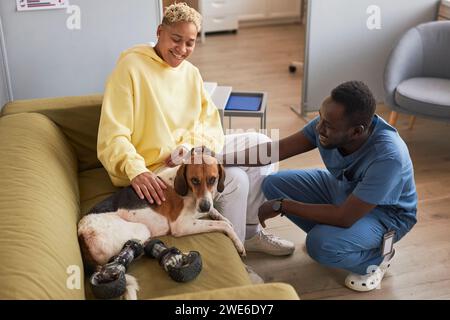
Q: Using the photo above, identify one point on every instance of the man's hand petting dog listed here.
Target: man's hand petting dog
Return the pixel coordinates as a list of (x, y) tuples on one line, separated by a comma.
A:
[(266, 212), (177, 156), (151, 187)]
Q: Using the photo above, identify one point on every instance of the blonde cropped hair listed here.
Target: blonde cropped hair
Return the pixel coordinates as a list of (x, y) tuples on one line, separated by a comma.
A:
[(181, 12)]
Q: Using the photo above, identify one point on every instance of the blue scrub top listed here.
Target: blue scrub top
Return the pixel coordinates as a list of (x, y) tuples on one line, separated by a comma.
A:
[(380, 172)]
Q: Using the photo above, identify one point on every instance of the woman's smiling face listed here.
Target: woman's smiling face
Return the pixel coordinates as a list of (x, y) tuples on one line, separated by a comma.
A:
[(176, 42)]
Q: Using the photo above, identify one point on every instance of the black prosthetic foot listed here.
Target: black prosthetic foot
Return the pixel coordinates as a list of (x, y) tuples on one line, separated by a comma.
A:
[(109, 282), (181, 267)]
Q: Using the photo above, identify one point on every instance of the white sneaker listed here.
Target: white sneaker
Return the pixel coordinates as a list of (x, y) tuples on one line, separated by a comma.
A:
[(270, 244), (254, 277), (371, 280)]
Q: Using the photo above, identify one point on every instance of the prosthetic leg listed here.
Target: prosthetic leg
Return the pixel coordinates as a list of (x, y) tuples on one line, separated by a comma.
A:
[(109, 282), (180, 266)]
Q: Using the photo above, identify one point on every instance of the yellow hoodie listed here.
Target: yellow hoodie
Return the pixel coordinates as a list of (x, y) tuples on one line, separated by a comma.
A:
[(150, 108)]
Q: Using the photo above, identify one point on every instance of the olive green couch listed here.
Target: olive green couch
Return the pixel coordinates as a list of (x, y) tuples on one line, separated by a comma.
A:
[(49, 178)]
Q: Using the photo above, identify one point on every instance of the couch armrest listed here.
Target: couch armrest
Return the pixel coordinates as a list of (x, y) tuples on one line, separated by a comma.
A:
[(44, 104), (39, 210), (266, 291)]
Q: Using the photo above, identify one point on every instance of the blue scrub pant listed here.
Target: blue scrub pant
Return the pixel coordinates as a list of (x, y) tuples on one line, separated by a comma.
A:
[(357, 248)]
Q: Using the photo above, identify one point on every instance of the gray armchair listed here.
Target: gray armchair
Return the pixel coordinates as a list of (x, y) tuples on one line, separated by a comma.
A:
[(417, 73)]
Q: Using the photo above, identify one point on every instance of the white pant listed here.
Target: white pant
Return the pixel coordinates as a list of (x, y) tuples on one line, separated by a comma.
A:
[(242, 195)]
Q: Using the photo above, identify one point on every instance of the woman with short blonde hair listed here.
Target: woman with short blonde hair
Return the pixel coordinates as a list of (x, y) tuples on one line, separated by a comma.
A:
[(181, 12)]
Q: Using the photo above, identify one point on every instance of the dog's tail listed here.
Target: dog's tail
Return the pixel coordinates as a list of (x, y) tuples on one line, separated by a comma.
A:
[(131, 289)]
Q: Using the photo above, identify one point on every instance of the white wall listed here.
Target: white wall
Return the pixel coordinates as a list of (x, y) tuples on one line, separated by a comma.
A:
[(340, 47), (4, 96), (3, 87), (46, 59)]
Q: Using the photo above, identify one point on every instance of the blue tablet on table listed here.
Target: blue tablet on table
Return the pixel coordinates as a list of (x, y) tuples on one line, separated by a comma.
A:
[(244, 102)]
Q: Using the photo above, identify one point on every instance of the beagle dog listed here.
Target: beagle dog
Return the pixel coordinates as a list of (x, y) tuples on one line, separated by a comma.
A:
[(124, 216)]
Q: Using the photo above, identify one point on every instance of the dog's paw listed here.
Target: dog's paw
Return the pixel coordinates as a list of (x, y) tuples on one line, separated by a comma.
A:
[(214, 216), (219, 217), (228, 222), (240, 249)]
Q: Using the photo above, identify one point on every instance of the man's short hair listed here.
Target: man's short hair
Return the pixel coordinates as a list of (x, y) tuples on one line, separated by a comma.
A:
[(181, 12), (358, 101)]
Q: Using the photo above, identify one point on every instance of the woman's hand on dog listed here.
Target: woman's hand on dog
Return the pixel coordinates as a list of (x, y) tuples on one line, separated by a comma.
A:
[(177, 156), (151, 187), (266, 212)]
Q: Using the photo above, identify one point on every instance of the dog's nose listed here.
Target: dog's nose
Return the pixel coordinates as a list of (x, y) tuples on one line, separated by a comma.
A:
[(204, 206)]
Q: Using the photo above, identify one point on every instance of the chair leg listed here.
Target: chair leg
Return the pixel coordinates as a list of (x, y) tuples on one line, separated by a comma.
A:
[(393, 118), (412, 120)]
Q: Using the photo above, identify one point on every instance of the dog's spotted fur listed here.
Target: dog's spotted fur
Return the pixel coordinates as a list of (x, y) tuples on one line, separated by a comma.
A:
[(124, 216)]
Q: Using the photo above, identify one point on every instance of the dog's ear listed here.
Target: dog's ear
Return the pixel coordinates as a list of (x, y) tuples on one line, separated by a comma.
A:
[(221, 182), (180, 183)]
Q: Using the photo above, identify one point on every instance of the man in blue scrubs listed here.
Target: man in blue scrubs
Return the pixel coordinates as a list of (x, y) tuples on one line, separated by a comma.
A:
[(366, 191)]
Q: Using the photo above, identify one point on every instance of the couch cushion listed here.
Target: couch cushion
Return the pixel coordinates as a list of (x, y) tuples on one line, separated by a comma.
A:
[(39, 210), (77, 117), (425, 96), (95, 186), (222, 266)]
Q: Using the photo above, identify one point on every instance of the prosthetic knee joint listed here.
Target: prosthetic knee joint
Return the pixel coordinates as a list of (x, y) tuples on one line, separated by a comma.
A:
[(109, 282), (181, 267)]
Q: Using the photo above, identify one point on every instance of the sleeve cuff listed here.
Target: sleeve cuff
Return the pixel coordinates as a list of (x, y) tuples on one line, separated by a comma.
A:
[(134, 169)]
